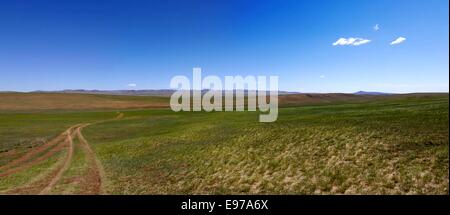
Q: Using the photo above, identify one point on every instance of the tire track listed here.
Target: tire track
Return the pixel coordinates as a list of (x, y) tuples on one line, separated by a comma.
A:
[(30, 154), (61, 171), (37, 186), (95, 174), (44, 157), (92, 180)]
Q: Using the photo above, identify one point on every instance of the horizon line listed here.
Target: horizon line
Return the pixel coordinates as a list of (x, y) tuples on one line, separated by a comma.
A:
[(286, 91)]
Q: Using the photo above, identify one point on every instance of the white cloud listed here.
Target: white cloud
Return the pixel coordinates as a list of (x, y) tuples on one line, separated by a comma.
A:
[(322, 76), (350, 41), (398, 41), (361, 42), (376, 27), (132, 85)]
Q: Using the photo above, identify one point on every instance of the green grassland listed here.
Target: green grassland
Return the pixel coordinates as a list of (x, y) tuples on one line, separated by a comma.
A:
[(379, 145)]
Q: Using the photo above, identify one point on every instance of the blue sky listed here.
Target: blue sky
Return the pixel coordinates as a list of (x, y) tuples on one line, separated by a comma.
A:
[(53, 45)]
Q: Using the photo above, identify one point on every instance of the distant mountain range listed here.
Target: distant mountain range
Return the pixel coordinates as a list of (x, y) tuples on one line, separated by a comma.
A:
[(371, 93), (116, 92), (168, 92), (164, 92)]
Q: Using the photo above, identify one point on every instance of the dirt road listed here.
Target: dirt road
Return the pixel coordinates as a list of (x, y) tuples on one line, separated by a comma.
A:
[(63, 146)]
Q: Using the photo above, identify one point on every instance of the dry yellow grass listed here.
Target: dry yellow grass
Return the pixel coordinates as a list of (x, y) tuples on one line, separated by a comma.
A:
[(61, 101)]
